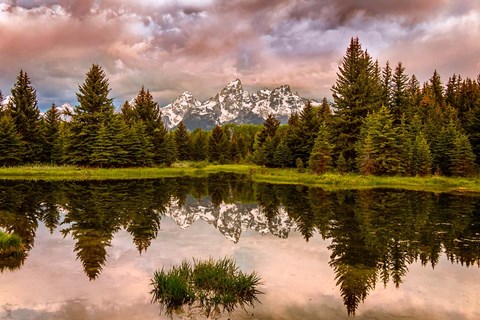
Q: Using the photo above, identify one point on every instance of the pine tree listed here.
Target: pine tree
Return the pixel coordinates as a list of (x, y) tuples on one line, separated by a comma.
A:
[(199, 145), (306, 133), (26, 117), (270, 126), (139, 147), (128, 113), (414, 97), (435, 84), (378, 145), (10, 143), (341, 164), (88, 117), (355, 94), (145, 109), (169, 152), (320, 160), (217, 145), (399, 102), (366, 156), (442, 146), (387, 85), (52, 148), (183, 142), (422, 158), (462, 157), (283, 155)]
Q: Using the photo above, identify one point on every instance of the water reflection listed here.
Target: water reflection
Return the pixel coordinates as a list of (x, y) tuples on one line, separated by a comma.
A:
[(375, 234)]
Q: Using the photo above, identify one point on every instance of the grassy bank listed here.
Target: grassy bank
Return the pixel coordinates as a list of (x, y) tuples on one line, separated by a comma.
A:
[(259, 174)]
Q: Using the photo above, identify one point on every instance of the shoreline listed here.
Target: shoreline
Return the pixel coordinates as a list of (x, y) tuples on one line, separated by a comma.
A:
[(330, 181)]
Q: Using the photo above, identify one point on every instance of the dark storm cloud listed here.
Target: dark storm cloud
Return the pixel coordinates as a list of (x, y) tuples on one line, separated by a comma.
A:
[(200, 45)]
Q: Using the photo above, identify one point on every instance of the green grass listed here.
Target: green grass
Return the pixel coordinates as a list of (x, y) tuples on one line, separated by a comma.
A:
[(10, 244), (259, 174), (210, 286)]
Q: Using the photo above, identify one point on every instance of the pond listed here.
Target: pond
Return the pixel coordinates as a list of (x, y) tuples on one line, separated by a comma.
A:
[(92, 247)]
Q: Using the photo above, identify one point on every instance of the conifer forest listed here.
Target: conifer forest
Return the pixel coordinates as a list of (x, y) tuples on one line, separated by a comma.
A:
[(381, 121)]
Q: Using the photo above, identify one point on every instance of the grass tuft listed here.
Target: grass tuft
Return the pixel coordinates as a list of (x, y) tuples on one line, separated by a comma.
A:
[(211, 286)]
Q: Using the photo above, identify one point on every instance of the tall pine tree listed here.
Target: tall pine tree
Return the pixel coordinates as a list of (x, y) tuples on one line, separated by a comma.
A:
[(355, 94), (26, 117), (94, 108)]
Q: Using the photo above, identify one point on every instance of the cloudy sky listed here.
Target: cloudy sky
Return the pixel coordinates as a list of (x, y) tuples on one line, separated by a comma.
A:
[(201, 45)]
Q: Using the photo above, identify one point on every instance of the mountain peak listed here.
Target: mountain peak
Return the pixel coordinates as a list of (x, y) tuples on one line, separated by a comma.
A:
[(235, 83), (233, 105)]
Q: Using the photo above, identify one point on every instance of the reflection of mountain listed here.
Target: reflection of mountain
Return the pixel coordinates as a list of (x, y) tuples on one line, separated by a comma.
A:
[(230, 219)]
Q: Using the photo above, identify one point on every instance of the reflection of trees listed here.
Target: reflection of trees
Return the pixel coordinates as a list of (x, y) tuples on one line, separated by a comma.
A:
[(375, 234), (93, 217), (20, 202)]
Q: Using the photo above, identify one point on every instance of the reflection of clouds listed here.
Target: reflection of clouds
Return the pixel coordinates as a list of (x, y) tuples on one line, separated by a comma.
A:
[(299, 284)]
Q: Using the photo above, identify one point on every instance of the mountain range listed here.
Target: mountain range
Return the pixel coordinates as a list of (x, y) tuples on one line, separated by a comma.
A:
[(233, 105)]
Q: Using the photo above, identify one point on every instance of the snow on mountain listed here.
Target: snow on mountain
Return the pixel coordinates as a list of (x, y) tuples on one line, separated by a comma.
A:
[(230, 219), (173, 113), (5, 101), (66, 111), (233, 105)]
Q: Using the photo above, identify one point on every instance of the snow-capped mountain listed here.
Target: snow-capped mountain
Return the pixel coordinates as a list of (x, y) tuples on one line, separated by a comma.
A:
[(233, 105), (230, 219)]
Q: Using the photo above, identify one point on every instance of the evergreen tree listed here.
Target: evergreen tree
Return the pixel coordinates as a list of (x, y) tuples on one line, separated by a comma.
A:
[(387, 85), (52, 148), (399, 102), (378, 145), (145, 109), (10, 143), (442, 146), (405, 148), (283, 155), (366, 156), (324, 111), (110, 148), (128, 113), (168, 151), (462, 157), (264, 144), (413, 97), (306, 132), (320, 160), (270, 126), (217, 145), (341, 164), (26, 117), (183, 142), (199, 145), (88, 117), (234, 153), (422, 158), (139, 148), (355, 94), (435, 84)]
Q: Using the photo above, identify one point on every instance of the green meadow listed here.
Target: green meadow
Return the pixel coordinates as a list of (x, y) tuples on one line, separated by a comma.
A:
[(329, 181)]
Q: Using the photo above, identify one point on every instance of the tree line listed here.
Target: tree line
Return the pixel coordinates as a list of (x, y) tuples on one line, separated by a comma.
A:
[(381, 122)]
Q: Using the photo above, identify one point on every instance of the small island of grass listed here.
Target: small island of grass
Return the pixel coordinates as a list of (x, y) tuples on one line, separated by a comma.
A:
[(205, 287)]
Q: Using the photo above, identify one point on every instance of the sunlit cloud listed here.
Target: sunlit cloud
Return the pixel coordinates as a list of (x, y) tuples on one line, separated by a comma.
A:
[(172, 46)]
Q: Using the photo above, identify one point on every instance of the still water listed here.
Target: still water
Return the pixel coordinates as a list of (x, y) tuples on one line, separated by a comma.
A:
[(92, 248)]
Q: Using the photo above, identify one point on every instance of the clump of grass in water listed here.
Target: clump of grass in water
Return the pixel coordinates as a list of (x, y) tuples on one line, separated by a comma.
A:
[(10, 244), (209, 286)]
